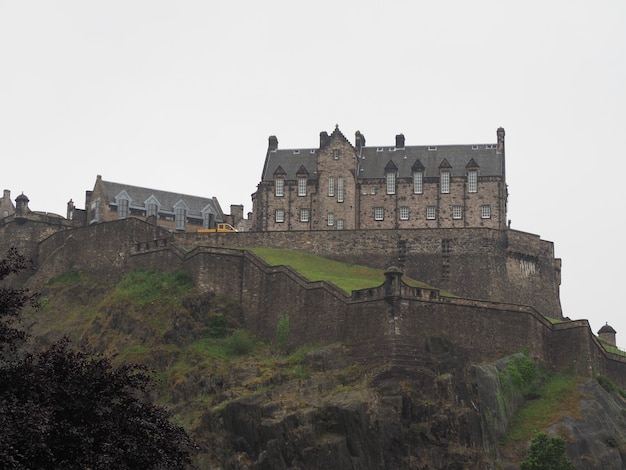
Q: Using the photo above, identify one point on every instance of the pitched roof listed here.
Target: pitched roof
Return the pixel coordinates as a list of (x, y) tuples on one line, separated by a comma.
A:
[(373, 160), (138, 196)]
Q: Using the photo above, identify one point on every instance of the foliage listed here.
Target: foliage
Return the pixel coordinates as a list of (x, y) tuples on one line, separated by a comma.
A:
[(146, 288), (240, 343), (282, 333), (610, 386), (12, 301), (547, 453), (71, 409), (558, 396)]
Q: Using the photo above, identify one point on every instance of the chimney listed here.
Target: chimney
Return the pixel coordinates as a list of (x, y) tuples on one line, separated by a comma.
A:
[(324, 139), (359, 140), (7, 195), (70, 210), (236, 213), (500, 133), (273, 143), (400, 141)]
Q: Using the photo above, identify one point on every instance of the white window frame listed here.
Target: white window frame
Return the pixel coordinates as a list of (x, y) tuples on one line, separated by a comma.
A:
[(431, 213), (472, 181), (391, 182), (379, 213), (180, 218), (330, 219), (280, 187), (340, 224), (418, 182), (457, 212), (331, 186), (302, 180), (485, 211), (279, 216), (123, 208), (445, 182), (304, 215), (152, 209), (404, 213), (340, 189)]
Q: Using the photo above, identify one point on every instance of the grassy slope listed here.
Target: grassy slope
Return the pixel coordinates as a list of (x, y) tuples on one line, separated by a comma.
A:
[(347, 277)]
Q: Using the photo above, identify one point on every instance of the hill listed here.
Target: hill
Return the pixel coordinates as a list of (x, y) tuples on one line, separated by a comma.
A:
[(251, 404)]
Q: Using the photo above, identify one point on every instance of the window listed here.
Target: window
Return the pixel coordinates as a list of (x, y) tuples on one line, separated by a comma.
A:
[(472, 181), (418, 182), (340, 189), (95, 211), (404, 213), (331, 186), (280, 215), (336, 154), (302, 186), (486, 212), (122, 208), (280, 186), (304, 215), (431, 212), (153, 209), (379, 213), (391, 182), (340, 224), (457, 212), (445, 182), (180, 215), (331, 219), (207, 219)]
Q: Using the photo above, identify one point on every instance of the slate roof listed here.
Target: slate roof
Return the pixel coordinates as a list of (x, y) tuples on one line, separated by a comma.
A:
[(167, 200), (373, 160)]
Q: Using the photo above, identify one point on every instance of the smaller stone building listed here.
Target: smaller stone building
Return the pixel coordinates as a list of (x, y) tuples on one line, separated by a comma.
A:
[(175, 211), (340, 186)]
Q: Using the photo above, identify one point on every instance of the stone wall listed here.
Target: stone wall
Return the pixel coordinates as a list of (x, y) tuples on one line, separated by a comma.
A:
[(486, 264)]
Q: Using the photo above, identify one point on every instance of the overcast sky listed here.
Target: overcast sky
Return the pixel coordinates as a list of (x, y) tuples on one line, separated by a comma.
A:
[(182, 96)]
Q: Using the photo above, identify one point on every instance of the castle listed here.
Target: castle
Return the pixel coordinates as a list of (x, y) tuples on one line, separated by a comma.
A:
[(505, 282), (340, 186)]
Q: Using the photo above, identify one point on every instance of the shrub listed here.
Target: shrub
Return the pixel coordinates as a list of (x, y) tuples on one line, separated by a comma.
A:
[(547, 453)]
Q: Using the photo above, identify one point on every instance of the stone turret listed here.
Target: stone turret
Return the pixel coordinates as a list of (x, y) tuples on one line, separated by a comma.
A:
[(21, 206), (607, 333)]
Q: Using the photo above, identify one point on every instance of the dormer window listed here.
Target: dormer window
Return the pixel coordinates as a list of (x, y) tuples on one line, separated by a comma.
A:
[(418, 182), (302, 185), (445, 182), (472, 181), (180, 215), (279, 182), (122, 208), (391, 182)]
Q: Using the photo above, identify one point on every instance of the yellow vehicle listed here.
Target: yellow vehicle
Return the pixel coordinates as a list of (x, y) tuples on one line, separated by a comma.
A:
[(219, 228)]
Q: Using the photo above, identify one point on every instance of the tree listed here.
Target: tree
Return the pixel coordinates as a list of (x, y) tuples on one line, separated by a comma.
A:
[(547, 453), (72, 409), (12, 301)]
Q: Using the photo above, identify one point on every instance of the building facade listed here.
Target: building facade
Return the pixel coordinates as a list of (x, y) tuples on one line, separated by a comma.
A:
[(179, 212), (340, 186)]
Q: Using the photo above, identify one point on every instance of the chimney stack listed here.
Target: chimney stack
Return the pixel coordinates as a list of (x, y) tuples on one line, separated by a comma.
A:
[(359, 140), (273, 143), (400, 141), (324, 139), (500, 133)]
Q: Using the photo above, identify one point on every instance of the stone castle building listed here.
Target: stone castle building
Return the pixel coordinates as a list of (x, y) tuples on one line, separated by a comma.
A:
[(340, 186), (181, 212)]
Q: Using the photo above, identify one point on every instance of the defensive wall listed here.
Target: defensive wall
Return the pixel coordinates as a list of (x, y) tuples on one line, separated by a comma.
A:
[(496, 265), (392, 322)]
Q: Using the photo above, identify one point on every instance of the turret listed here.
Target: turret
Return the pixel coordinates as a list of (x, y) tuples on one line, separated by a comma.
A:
[(607, 333)]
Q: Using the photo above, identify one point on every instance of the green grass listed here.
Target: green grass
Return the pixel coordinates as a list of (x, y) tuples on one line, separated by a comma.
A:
[(345, 276), (559, 396)]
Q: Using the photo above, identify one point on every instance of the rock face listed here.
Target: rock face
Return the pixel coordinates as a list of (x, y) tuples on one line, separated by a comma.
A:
[(348, 417), (437, 416)]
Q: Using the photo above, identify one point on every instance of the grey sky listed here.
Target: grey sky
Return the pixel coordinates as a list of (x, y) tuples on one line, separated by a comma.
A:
[(182, 96)]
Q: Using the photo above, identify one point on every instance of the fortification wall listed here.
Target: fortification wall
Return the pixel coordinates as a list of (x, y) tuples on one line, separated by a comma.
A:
[(496, 265)]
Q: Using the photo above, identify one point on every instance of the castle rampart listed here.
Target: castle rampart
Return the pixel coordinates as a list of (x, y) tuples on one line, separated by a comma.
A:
[(392, 321)]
